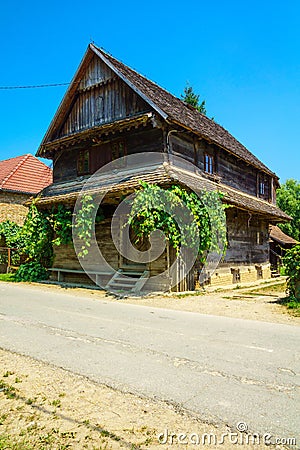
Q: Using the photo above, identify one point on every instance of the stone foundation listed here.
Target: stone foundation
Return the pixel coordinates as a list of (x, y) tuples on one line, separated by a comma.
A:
[(239, 275)]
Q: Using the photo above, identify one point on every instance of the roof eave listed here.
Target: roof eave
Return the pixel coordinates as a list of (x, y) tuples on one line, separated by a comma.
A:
[(15, 191), (66, 101)]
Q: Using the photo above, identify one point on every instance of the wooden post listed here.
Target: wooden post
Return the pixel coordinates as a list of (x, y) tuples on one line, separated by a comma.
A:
[(8, 257), (168, 264)]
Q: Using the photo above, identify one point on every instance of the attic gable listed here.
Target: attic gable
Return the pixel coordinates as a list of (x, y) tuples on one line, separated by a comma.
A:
[(97, 96)]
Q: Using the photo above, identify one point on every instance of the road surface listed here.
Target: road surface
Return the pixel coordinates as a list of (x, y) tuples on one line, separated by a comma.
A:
[(225, 370)]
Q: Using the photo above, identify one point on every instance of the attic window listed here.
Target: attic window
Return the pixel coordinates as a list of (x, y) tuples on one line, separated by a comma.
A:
[(208, 163), (83, 162)]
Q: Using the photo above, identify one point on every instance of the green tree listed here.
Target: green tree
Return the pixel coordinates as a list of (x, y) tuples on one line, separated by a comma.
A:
[(193, 99), (291, 262), (288, 199)]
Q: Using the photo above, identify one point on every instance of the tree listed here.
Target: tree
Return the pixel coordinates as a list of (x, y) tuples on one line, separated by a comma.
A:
[(291, 261), (288, 199), (192, 99)]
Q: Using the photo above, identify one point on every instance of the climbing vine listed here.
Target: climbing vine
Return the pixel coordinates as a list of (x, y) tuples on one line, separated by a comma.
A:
[(60, 219), (149, 213), (83, 224), (42, 230), (36, 235)]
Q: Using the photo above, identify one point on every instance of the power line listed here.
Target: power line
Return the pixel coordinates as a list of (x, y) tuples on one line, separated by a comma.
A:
[(33, 86)]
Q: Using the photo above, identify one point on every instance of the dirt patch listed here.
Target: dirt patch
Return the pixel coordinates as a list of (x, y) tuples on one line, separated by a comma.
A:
[(43, 407)]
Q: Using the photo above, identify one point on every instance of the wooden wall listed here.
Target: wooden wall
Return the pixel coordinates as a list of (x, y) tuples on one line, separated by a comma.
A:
[(144, 140), (248, 238), (229, 169), (248, 245), (65, 256), (101, 98)]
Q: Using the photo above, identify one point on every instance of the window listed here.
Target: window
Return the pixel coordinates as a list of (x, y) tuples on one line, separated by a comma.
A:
[(260, 237), (208, 163), (118, 150), (83, 162), (262, 188)]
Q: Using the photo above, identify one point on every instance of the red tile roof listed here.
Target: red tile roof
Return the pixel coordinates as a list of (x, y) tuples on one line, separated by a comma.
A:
[(24, 174)]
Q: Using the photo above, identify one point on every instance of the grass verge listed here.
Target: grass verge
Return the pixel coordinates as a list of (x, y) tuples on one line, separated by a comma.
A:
[(7, 277)]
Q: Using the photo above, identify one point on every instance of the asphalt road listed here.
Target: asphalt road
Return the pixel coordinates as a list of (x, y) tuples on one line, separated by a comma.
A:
[(226, 370)]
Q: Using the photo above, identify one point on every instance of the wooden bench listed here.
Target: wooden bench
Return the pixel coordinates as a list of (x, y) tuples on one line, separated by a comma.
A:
[(61, 270)]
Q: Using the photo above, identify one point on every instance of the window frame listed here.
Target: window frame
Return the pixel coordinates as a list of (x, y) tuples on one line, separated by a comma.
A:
[(209, 164), (85, 156), (262, 187), (116, 152)]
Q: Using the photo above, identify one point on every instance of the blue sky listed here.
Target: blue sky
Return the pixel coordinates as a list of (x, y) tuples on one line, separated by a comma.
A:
[(242, 57)]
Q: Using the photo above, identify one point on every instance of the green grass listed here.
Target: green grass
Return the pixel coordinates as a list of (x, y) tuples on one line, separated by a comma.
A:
[(188, 294), (7, 277), (267, 290), (6, 442), (9, 391), (56, 403), (293, 304)]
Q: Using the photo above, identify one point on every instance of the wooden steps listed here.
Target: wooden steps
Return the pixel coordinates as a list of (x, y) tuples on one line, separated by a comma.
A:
[(275, 274), (125, 282)]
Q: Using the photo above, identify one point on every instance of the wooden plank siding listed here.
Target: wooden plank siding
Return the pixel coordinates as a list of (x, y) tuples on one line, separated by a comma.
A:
[(248, 238), (228, 169), (101, 98), (144, 140)]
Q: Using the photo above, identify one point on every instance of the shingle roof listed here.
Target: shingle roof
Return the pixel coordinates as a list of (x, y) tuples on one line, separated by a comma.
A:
[(279, 236), (163, 175), (179, 112), (167, 105), (24, 174)]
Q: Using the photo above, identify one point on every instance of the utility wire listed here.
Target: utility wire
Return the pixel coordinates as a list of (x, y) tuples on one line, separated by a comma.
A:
[(33, 86)]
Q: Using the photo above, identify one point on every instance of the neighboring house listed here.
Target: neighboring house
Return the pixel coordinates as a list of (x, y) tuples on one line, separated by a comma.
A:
[(279, 244), (20, 178), (110, 111)]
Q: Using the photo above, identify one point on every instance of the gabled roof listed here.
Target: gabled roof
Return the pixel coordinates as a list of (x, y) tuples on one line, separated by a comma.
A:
[(24, 174), (166, 105), (276, 234), (179, 112)]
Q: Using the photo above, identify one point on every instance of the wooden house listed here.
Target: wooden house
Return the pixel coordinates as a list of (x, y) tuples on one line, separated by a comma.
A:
[(111, 111)]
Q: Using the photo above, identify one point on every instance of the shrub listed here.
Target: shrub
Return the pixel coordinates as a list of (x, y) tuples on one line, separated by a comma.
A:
[(10, 234), (291, 262), (32, 271)]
